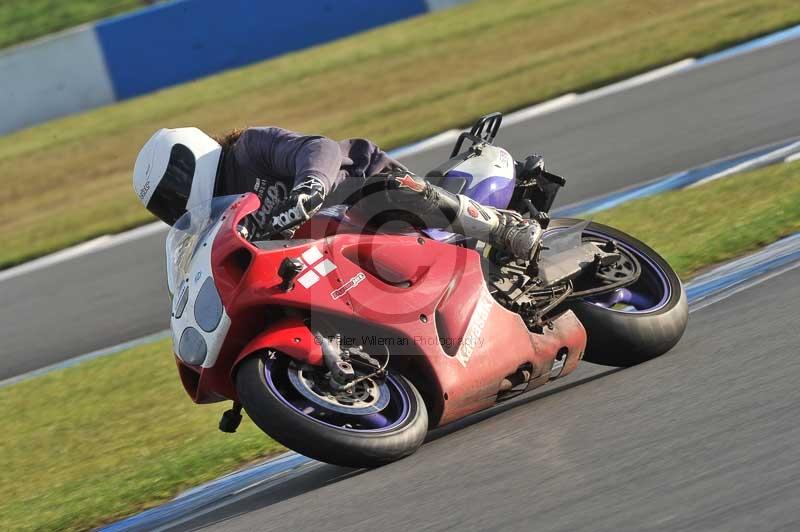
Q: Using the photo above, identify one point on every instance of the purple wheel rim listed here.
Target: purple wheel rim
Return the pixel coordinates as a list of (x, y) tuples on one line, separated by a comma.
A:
[(396, 412), (649, 294)]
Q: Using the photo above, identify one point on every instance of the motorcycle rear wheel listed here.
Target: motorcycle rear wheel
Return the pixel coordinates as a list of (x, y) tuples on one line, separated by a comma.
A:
[(640, 322), (338, 434)]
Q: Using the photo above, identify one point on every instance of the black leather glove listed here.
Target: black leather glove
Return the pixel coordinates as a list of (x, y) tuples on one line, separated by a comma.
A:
[(304, 200)]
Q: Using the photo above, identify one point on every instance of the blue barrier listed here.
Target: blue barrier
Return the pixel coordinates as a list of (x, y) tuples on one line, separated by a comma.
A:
[(188, 39)]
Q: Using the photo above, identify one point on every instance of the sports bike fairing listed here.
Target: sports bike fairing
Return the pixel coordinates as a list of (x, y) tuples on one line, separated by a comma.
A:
[(414, 291), (489, 174), (490, 180), (199, 321)]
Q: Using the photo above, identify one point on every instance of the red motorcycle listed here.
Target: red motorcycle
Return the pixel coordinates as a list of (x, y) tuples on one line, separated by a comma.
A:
[(347, 343)]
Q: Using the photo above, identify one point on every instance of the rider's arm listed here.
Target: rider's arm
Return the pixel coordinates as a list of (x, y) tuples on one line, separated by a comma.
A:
[(364, 158), (286, 153)]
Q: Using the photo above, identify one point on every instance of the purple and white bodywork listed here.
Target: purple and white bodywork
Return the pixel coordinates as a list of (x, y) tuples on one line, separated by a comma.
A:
[(490, 176), (490, 180)]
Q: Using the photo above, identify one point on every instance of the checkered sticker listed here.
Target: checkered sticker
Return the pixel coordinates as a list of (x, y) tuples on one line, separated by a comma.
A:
[(314, 266)]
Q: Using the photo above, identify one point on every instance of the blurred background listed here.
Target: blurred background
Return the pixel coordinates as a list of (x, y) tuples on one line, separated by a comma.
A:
[(635, 102)]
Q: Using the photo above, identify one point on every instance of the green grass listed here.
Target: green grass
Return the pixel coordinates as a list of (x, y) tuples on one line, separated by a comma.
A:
[(69, 180), (712, 223), (115, 435), (108, 438), (22, 20)]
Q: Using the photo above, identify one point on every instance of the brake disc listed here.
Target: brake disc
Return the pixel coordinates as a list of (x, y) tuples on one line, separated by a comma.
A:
[(626, 269), (365, 397)]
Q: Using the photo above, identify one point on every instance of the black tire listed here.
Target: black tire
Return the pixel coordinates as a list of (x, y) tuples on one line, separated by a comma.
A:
[(325, 442), (625, 339)]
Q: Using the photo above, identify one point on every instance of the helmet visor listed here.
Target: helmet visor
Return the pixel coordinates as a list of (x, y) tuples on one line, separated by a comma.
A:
[(169, 199)]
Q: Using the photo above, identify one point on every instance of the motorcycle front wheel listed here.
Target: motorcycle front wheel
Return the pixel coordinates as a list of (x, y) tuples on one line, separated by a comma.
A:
[(379, 421), (636, 323)]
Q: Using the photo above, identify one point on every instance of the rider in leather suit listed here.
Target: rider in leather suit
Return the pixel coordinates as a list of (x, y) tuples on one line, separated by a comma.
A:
[(295, 175)]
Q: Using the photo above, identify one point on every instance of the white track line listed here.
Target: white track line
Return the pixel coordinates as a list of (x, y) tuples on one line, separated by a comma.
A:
[(787, 150), (707, 301), (441, 139), (54, 258), (92, 246), (539, 109), (636, 81), (86, 357)]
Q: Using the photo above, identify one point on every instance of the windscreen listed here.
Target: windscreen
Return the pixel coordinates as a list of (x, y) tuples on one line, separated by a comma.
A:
[(188, 233)]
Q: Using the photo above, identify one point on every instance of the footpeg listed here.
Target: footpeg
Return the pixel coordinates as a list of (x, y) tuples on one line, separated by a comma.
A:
[(231, 419)]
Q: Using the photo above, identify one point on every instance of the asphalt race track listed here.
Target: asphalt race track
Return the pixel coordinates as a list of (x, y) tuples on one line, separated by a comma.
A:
[(115, 295), (703, 438)]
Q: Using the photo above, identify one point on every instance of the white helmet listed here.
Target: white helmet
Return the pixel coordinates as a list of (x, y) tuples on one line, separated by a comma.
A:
[(175, 171)]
